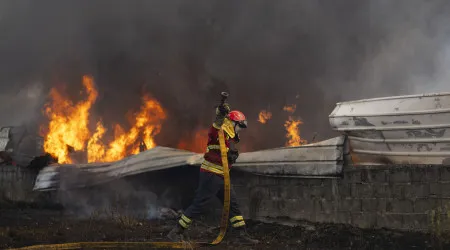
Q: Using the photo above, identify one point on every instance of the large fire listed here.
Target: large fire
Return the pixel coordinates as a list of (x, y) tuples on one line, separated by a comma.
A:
[(68, 128), (292, 128)]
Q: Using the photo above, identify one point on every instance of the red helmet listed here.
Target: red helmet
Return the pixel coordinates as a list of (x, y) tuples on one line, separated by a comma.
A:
[(238, 117)]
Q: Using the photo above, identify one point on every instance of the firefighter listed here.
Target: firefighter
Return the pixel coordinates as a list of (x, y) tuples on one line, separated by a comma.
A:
[(211, 182)]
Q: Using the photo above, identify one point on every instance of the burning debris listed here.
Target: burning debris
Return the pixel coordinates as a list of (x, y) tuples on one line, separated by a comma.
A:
[(292, 128), (264, 116), (291, 125), (293, 133), (290, 108), (69, 127)]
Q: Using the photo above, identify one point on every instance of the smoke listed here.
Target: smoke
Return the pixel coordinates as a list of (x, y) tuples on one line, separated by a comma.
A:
[(21, 106), (267, 54), (151, 195), (119, 198)]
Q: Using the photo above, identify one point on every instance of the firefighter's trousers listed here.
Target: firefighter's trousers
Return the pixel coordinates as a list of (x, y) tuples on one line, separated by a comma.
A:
[(211, 185)]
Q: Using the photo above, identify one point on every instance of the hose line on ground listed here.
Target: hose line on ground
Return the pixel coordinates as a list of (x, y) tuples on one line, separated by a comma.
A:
[(146, 245)]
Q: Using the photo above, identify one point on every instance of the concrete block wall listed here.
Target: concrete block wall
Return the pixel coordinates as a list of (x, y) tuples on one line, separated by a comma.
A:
[(16, 184), (398, 197)]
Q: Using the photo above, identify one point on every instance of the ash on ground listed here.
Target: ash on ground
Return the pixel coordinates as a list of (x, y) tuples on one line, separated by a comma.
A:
[(24, 227)]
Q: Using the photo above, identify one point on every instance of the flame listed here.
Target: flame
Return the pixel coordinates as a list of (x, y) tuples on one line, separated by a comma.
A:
[(68, 127), (95, 147), (292, 128), (195, 143), (290, 108), (147, 125), (68, 124), (293, 133), (264, 116)]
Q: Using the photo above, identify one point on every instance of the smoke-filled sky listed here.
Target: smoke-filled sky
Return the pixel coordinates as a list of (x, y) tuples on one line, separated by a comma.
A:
[(266, 53)]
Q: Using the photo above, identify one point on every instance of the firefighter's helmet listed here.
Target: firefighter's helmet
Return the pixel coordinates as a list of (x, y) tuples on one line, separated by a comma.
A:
[(238, 117)]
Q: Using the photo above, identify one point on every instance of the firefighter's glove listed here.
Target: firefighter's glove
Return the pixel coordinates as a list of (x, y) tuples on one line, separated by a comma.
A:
[(236, 138), (223, 109), (232, 156)]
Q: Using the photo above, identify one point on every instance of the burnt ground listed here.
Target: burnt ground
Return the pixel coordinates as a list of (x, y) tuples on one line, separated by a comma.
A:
[(24, 227)]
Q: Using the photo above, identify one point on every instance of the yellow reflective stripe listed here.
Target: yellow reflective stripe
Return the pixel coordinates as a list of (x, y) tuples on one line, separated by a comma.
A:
[(186, 219), (214, 170), (215, 147), (238, 224), (236, 218), (183, 224), (206, 164)]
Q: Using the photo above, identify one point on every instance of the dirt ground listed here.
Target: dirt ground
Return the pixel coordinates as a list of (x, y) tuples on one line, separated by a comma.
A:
[(25, 227)]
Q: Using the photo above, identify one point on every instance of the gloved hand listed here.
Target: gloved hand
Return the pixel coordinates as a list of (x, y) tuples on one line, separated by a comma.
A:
[(223, 109), (232, 156), (236, 138)]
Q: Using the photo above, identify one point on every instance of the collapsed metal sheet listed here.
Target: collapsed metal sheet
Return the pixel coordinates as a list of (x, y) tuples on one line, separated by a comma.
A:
[(4, 138), (21, 144), (319, 159), (324, 158), (69, 176), (412, 129)]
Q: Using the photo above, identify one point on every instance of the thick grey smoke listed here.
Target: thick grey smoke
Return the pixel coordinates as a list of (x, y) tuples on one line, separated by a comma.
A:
[(266, 53)]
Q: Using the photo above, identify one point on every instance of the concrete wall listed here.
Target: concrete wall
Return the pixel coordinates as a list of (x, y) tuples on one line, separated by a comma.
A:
[(16, 184), (398, 197)]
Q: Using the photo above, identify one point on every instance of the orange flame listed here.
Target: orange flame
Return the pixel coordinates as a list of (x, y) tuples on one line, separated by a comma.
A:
[(264, 116), (68, 127), (293, 133), (290, 108), (68, 124), (95, 147), (292, 128), (197, 143), (147, 125)]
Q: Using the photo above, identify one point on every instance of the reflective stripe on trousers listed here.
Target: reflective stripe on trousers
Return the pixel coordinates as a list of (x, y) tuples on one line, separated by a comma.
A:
[(237, 221), (211, 167)]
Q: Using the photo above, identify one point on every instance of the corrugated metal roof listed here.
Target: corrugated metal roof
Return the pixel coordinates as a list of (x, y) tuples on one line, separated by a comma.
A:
[(411, 129), (320, 159), (324, 158)]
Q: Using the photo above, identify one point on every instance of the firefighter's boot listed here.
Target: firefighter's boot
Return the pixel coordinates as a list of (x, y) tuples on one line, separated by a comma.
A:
[(177, 234)]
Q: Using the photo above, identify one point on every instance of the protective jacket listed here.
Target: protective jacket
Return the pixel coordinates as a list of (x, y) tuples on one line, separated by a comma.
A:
[(212, 161)]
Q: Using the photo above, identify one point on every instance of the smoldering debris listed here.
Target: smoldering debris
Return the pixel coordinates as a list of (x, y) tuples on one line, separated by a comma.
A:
[(155, 195), (118, 199)]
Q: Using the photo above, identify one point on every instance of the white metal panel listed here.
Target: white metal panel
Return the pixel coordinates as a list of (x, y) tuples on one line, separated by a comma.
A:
[(397, 122), (402, 145), (402, 134), (4, 138), (424, 103), (396, 130), (330, 150)]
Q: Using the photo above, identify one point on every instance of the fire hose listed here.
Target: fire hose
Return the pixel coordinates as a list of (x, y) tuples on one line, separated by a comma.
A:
[(176, 245)]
